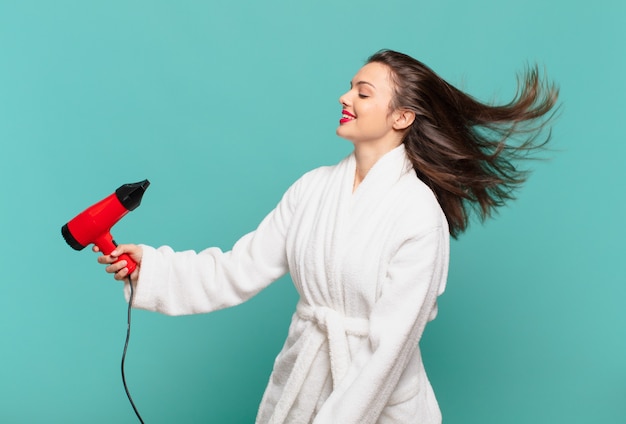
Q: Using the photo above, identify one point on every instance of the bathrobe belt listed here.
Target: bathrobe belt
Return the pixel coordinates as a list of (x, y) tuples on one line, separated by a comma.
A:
[(329, 325)]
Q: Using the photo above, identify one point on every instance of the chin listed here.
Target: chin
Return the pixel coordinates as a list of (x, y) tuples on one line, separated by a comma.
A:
[(342, 134)]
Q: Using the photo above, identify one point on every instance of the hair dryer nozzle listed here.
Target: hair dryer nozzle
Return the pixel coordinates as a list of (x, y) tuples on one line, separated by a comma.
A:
[(130, 195), (69, 238)]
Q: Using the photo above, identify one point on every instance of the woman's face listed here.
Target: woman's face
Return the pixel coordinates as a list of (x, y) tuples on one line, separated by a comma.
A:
[(367, 116)]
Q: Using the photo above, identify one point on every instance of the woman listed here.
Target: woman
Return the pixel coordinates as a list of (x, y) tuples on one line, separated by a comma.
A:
[(366, 243)]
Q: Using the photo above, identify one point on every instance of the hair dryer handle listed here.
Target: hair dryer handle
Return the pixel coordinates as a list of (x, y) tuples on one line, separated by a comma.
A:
[(106, 244), (130, 264)]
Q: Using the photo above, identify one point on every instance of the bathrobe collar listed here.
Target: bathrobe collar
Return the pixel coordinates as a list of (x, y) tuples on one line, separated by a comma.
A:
[(385, 172)]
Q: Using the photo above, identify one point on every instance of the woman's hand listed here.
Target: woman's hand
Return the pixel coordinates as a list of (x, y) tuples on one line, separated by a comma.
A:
[(119, 269)]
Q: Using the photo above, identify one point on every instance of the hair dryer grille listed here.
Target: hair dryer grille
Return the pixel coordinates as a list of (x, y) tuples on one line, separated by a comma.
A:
[(69, 238)]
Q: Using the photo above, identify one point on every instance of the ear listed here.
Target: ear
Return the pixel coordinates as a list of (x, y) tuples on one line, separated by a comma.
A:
[(403, 119)]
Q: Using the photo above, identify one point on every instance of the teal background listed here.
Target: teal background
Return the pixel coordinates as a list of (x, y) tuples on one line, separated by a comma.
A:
[(222, 105)]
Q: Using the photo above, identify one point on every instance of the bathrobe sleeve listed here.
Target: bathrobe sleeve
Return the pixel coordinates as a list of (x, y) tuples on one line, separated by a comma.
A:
[(415, 278), (179, 283)]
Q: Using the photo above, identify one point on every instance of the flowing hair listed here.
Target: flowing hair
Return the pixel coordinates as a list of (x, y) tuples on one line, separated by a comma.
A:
[(466, 150)]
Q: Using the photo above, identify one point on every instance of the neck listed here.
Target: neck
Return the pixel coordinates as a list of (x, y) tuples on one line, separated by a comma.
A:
[(366, 157)]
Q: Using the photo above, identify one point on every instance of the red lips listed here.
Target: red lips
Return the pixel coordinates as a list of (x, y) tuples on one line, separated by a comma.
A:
[(346, 117)]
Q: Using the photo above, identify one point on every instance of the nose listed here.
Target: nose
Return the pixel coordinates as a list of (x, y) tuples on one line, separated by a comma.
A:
[(344, 99)]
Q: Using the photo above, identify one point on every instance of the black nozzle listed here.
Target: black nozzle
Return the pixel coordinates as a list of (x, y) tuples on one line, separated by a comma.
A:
[(69, 238), (130, 195)]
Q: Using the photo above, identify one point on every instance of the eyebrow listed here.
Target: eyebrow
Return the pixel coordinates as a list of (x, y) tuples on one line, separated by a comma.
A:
[(363, 83)]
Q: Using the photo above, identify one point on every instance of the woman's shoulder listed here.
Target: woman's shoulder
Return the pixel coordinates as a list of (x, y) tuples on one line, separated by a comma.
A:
[(419, 205), (310, 182), (321, 173)]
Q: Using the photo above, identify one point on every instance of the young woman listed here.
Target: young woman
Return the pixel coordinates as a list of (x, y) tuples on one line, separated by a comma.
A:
[(365, 242)]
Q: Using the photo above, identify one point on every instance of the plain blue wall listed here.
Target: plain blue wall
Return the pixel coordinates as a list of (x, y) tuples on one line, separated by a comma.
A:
[(222, 105)]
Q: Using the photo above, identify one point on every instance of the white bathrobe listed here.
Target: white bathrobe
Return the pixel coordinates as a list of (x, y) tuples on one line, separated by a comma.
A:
[(368, 266)]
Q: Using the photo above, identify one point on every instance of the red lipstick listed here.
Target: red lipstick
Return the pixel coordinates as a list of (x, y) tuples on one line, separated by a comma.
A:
[(346, 117)]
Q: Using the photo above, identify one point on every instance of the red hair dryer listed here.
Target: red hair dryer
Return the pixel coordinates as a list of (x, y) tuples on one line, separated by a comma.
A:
[(93, 225)]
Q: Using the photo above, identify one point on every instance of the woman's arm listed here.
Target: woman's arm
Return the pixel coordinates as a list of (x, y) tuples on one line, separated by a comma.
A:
[(178, 283)]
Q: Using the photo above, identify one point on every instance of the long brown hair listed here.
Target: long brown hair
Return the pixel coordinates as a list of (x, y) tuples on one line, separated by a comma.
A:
[(466, 150)]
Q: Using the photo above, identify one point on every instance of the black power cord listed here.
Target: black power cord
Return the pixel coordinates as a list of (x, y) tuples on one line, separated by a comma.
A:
[(130, 304)]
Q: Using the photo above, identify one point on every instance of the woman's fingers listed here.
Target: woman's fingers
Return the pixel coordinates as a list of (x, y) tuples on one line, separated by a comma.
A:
[(116, 266)]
